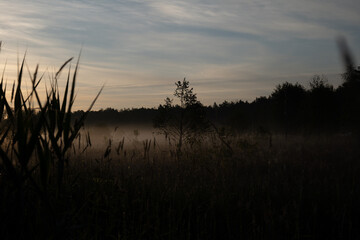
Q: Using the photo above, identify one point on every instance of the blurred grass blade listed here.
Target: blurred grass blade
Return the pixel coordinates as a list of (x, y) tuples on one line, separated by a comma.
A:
[(12, 91), (62, 67)]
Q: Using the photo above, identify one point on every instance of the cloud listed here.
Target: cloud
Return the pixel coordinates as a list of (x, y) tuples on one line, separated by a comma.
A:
[(265, 19), (140, 47)]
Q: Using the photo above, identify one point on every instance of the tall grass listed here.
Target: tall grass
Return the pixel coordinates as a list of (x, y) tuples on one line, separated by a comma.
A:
[(229, 187), (34, 144), (299, 188)]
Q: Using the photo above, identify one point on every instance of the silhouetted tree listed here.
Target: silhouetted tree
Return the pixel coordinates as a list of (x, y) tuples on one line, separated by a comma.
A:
[(289, 103), (184, 122), (349, 92), (321, 112)]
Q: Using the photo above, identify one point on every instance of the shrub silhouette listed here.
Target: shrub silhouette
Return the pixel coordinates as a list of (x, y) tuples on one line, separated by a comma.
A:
[(182, 123)]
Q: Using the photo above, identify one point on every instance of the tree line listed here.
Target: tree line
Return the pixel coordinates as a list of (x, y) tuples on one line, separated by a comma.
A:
[(290, 108)]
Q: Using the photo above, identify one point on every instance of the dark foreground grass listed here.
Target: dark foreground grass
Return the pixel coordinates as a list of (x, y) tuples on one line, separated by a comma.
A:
[(301, 188), (220, 187)]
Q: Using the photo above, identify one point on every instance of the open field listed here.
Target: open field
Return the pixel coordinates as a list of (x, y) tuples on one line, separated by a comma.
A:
[(200, 180), (299, 188)]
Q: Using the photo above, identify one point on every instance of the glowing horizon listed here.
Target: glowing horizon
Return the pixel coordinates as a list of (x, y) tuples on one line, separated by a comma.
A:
[(236, 50)]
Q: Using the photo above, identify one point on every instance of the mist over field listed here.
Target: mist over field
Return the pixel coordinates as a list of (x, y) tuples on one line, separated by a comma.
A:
[(132, 119), (133, 135), (285, 165)]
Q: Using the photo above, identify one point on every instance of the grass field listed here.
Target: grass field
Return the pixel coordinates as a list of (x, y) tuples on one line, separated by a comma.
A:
[(58, 182), (300, 188)]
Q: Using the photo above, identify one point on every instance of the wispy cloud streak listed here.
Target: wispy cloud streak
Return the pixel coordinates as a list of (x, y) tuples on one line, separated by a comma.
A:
[(149, 44)]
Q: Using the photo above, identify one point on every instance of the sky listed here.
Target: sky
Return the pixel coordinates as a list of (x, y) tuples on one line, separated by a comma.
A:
[(228, 50)]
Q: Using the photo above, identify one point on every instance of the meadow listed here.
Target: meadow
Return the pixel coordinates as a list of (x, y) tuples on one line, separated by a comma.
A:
[(301, 187), (60, 179)]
